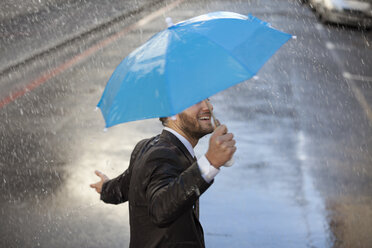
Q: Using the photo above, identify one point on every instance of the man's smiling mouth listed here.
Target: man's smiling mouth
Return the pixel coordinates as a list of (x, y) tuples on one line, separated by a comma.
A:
[(204, 118)]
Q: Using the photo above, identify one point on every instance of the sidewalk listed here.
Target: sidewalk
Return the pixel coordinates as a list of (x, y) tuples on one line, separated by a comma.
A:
[(30, 28)]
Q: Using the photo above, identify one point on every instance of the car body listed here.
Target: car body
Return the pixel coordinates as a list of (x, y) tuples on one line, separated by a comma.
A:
[(351, 12)]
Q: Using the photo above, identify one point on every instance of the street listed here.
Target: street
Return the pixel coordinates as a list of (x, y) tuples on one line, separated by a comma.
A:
[(302, 175)]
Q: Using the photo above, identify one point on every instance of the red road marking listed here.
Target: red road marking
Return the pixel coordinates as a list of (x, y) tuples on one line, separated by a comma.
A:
[(68, 64)]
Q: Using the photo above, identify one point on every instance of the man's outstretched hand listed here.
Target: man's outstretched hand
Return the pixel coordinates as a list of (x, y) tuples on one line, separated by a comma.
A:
[(98, 185)]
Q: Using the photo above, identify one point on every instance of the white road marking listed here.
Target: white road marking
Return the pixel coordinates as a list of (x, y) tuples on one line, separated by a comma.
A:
[(301, 152), (347, 75), (332, 46), (350, 80)]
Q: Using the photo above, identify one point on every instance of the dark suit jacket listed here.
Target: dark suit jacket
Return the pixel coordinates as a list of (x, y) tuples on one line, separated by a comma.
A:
[(162, 184)]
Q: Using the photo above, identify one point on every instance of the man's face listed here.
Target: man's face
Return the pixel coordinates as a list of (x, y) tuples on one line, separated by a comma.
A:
[(196, 120)]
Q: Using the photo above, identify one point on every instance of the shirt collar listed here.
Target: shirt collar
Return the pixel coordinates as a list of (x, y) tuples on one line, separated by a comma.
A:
[(184, 141)]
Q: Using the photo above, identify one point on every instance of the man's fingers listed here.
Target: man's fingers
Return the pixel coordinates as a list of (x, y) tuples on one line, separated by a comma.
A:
[(98, 173), (94, 185), (101, 175), (221, 130), (226, 137), (233, 149), (230, 143)]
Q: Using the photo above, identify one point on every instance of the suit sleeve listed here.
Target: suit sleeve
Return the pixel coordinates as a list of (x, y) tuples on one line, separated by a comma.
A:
[(171, 192), (115, 191)]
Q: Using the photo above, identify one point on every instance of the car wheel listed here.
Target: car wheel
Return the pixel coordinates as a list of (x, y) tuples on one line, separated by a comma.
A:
[(322, 19), (320, 16)]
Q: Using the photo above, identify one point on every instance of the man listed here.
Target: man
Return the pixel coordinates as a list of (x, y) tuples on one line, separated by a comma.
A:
[(164, 181)]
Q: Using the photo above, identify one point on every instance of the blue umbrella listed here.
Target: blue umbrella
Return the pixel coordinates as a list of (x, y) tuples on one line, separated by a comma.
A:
[(186, 63)]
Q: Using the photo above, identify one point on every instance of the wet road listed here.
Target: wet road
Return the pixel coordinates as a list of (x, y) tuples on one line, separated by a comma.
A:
[(302, 172), (30, 28)]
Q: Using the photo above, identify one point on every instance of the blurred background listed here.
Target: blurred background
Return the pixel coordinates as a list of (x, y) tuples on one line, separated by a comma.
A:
[(303, 169)]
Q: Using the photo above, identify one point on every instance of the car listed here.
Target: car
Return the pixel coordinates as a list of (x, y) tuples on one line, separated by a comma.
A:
[(350, 12)]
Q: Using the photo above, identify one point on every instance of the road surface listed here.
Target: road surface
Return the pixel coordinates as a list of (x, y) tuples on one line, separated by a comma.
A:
[(302, 174)]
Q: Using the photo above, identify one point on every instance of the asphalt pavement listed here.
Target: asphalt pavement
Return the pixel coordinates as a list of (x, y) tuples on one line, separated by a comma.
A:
[(30, 29), (302, 172)]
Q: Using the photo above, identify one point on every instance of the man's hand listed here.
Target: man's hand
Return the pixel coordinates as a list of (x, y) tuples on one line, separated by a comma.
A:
[(221, 147), (98, 185)]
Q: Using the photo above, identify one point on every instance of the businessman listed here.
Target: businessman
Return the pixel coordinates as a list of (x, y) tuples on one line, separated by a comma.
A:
[(164, 180)]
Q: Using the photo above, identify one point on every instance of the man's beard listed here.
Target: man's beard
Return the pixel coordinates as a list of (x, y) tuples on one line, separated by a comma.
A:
[(192, 127)]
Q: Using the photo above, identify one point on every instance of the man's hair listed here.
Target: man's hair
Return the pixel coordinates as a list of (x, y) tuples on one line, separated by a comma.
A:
[(164, 121)]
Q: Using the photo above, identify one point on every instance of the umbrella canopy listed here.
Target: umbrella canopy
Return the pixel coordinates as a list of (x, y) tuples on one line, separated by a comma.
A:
[(186, 63)]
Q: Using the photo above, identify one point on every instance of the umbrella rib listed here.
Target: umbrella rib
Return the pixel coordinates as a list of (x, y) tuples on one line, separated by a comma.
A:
[(171, 109)]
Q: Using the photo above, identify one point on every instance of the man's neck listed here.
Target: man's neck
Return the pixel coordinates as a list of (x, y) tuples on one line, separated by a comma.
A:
[(192, 141)]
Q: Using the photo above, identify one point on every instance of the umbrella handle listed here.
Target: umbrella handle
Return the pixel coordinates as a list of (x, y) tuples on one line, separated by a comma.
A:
[(216, 124), (215, 121), (229, 163)]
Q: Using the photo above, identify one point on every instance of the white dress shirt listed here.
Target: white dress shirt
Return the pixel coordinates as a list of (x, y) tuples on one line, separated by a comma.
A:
[(207, 171)]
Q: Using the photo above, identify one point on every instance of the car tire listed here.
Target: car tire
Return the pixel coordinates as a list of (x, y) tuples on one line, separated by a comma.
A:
[(322, 19), (320, 16)]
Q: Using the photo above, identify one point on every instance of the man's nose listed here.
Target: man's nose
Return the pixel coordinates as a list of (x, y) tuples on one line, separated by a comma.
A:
[(206, 104)]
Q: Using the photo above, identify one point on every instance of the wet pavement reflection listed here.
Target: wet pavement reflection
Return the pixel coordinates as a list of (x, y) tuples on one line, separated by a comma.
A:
[(301, 178), (270, 195)]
